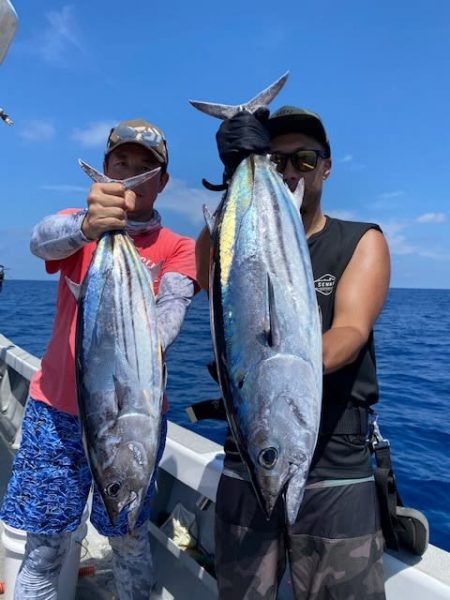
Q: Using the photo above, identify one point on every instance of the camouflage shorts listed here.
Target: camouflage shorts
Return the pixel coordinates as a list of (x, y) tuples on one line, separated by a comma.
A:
[(335, 548)]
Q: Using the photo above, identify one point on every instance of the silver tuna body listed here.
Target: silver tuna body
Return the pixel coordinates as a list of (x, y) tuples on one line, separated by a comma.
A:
[(267, 332), (119, 374)]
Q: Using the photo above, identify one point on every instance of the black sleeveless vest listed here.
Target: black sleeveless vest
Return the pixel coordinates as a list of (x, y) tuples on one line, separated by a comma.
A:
[(341, 450)]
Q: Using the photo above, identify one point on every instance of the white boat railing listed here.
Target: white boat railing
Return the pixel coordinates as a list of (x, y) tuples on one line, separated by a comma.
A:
[(196, 462)]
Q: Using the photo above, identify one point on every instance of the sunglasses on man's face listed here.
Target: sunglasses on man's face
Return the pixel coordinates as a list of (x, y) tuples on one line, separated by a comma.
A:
[(302, 160)]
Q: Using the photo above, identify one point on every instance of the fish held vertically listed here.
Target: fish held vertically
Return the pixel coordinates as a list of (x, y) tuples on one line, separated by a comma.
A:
[(267, 333), (119, 370), (265, 323)]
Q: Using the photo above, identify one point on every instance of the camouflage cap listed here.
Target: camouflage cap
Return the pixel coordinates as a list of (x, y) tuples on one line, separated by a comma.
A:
[(138, 131), (291, 119)]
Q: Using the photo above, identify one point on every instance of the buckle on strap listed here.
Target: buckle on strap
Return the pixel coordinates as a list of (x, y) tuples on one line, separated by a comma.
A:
[(375, 439)]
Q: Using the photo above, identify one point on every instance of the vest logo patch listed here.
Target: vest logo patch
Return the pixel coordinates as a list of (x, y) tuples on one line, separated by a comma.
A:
[(325, 284)]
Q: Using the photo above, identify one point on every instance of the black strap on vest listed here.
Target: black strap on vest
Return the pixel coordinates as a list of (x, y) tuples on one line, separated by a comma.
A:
[(350, 421), (344, 420), (388, 496), (335, 420), (403, 528)]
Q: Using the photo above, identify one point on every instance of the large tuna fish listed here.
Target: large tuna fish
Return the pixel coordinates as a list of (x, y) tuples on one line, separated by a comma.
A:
[(266, 330), (119, 370)]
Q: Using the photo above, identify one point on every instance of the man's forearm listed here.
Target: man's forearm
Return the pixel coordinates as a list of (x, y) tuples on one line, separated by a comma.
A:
[(340, 347), (175, 295), (58, 236)]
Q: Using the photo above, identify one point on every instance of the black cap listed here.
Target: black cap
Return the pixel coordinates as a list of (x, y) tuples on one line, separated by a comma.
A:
[(291, 119)]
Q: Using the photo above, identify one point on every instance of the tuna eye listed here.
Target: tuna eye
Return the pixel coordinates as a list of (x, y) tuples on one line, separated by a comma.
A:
[(268, 457), (113, 489)]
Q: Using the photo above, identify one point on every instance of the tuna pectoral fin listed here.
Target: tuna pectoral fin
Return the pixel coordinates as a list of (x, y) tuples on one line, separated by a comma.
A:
[(73, 287), (272, 329), (298, 193), (209, 219), (294, 493)]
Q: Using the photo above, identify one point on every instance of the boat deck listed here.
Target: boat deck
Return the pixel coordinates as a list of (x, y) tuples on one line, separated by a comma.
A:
[(95, 555)]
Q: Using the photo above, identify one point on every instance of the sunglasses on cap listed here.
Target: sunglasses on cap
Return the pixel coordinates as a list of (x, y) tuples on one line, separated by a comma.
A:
[(146, 135), (302, 160)]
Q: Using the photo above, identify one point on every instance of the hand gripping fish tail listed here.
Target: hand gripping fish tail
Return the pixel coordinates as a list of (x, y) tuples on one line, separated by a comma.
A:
[(226, 111), (245, 122)]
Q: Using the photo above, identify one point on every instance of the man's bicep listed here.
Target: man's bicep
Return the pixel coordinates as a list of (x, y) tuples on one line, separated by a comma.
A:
[(362, 289)]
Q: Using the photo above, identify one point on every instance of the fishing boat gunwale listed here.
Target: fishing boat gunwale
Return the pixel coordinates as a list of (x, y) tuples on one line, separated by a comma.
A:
[(189, 473)]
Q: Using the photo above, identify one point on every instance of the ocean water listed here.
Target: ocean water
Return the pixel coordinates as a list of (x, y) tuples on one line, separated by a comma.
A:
[(413, 356)]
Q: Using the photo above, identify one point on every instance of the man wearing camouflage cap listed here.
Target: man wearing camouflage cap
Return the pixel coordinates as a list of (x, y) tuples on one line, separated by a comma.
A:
[(335, 547), (51, 479)]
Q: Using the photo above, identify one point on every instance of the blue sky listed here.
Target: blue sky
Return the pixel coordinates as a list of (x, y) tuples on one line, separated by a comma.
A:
[(377, 72)]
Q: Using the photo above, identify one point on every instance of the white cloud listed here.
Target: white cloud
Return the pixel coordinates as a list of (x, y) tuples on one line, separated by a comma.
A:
[(390, 195), (346, 215), (94, 134), (435, 254), (349, 160), (399, 243), (432, 218), (65, 188), (37, 131), (58, 38), (187, 201)]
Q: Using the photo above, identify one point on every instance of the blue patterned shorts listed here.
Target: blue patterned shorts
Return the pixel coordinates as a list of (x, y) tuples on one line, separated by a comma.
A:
[(51, 479)]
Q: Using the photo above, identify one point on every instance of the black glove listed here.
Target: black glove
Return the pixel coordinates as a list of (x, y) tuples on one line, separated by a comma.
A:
[(242, 135)]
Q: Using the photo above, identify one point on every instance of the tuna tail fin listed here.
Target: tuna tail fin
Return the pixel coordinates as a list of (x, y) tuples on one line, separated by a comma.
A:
[(129, 183), (132, 182), (273, 334), (93, 173), (226, 111)]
